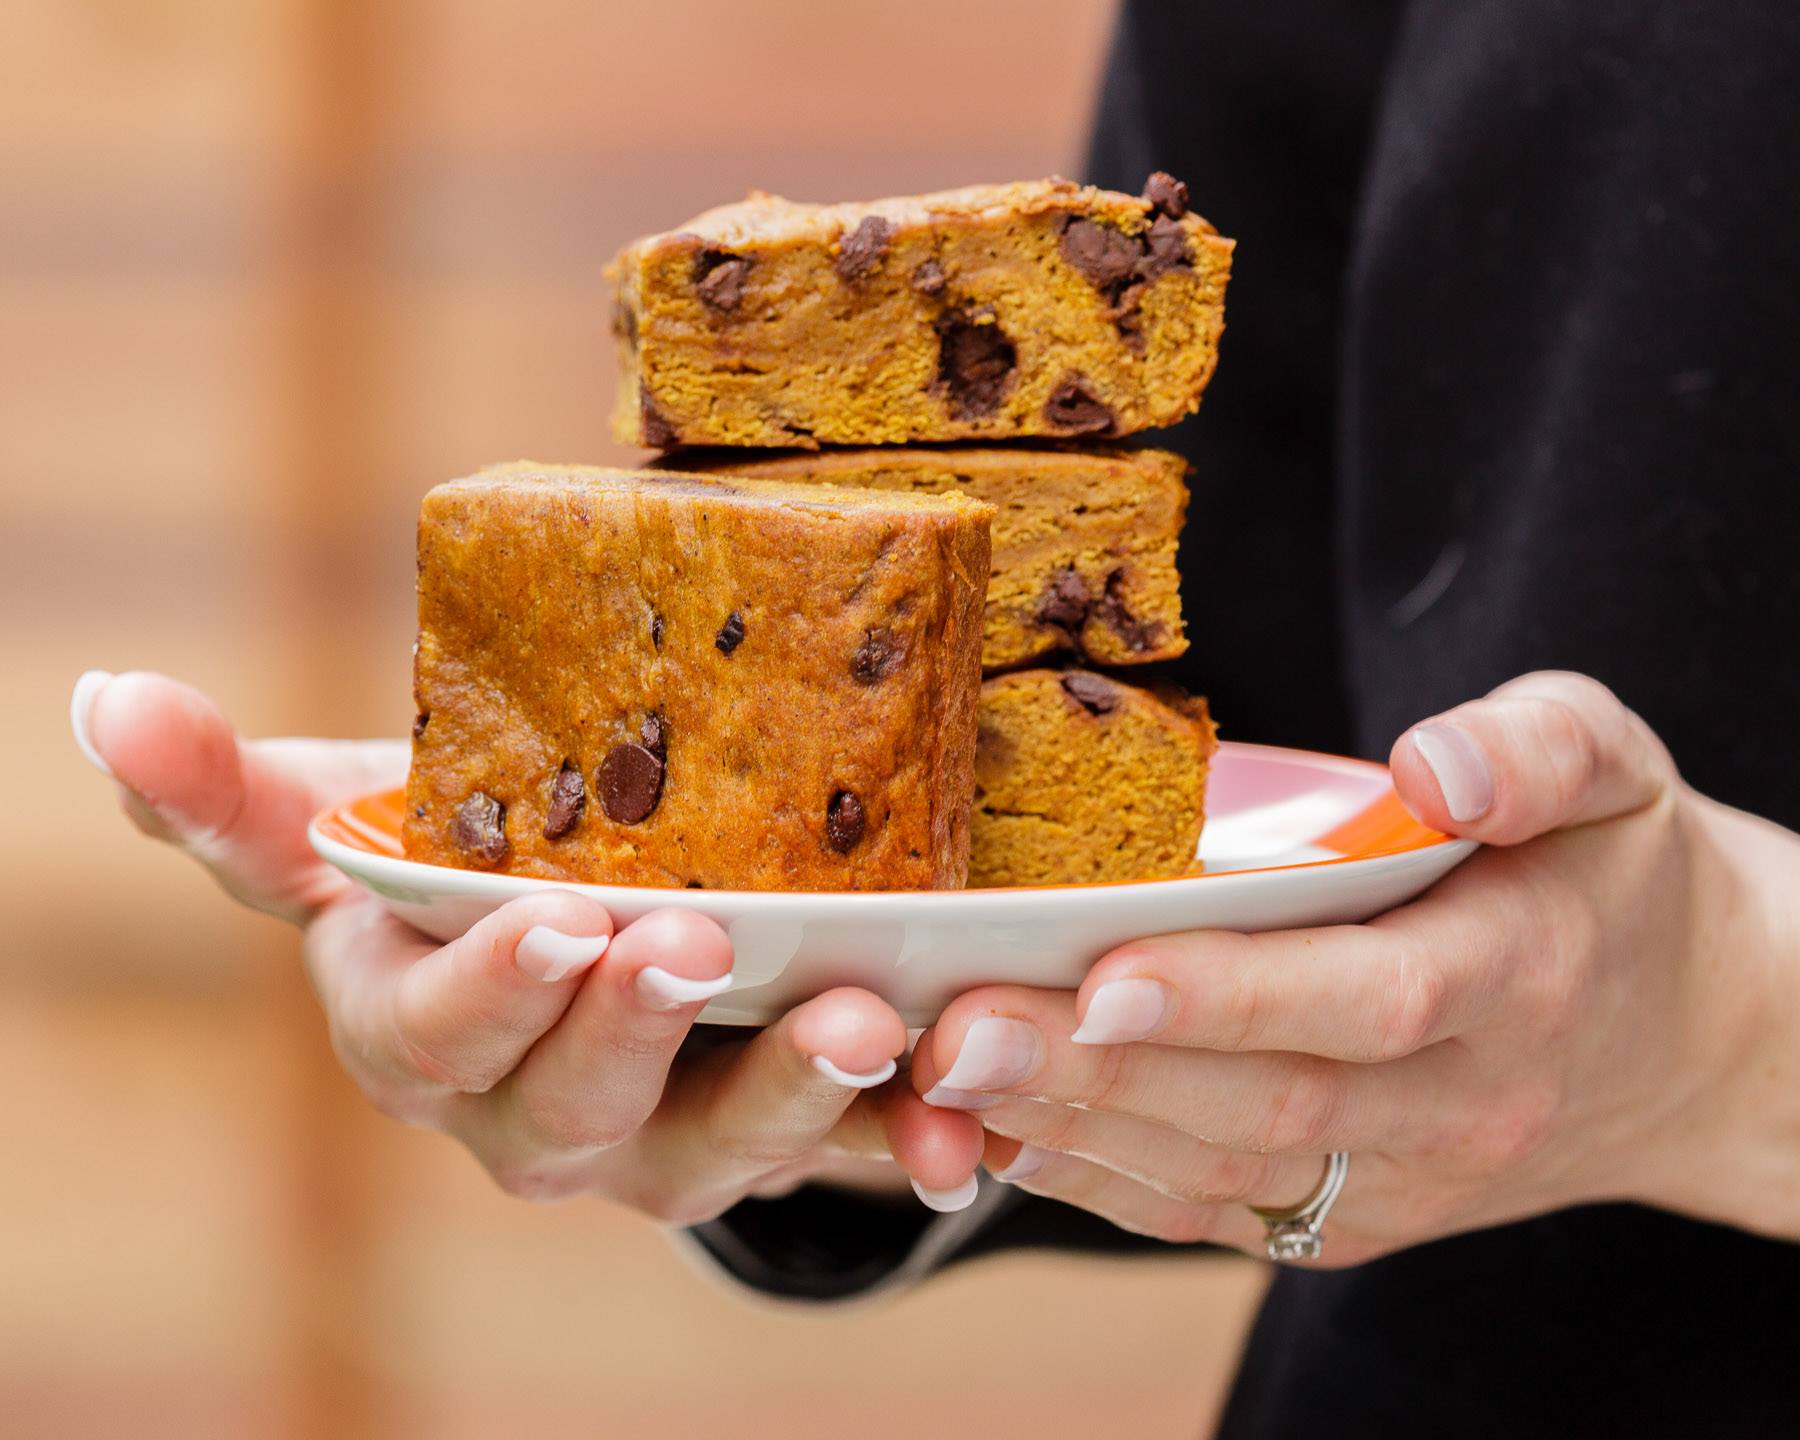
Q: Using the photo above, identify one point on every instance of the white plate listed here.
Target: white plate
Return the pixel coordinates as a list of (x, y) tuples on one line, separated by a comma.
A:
[(1292, 838)]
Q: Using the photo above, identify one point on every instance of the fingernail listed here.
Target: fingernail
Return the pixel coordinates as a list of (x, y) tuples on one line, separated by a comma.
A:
[(961, 1198), (81, 707), (549, 955), (1025, 1164), (1121, 1011), (947, 1099), (662, 990), (996, 1053), (1456, 762), (855, 1079)]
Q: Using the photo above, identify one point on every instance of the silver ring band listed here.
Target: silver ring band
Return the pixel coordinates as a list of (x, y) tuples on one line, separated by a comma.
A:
[(1294, 1233)]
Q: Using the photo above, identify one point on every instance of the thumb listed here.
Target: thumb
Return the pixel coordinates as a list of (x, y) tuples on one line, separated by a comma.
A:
[(239, 807), (1544, 752)]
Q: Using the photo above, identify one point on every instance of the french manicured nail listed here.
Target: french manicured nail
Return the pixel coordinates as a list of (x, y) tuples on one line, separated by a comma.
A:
[(945, 1098), (81, 709), (996, 1053), (855, 1079), (549, 955), (1025, 1164), (1121, 1011), (961, 1198), (1455, 761), (662, 990)]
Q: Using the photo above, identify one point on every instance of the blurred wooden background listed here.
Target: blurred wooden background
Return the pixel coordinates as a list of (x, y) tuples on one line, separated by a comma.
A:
[(268, 269)]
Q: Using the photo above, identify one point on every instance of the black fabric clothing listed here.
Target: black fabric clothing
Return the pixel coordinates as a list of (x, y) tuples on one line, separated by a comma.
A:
[(1511, 380)]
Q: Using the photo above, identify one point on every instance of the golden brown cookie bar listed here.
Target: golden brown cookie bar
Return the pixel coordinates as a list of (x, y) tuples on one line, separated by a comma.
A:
[(1084, 537), (1079, 777), (651, 679), (1036, 308)]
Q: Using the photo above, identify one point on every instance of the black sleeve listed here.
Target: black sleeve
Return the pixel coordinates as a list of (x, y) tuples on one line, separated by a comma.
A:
[(1273, 155)]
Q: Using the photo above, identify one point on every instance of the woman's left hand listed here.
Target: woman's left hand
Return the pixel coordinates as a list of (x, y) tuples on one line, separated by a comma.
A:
[(1599, 1006)]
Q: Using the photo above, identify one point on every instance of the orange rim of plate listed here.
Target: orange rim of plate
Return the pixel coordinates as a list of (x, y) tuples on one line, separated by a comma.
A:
[(372, 824)]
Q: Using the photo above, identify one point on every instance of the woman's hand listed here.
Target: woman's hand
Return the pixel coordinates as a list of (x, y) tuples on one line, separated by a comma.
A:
[(1600, 1006), (551, 1047)]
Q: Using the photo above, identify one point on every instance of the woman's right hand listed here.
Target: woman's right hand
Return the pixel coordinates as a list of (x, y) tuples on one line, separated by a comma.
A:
[(549, 1046)]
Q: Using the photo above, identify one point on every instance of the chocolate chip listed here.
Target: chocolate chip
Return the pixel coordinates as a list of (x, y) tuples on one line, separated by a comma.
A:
[(1166, 195), (1074, 408), (630, 781), (420, 721), (694, 885), (1065, 603), (656, 631), (1112, 609), (1165, 247), (929, 279), (658, 433), (731, 633), (1105, 255), (568, 800), (624, 322), (844, 822), (719, 277), (479, 828), (863, 247), (1091, 692), (654, 732), (975, 362), (1128, 315), (877, 657)]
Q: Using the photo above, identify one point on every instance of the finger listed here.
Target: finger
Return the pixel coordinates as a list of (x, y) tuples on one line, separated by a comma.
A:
[(1123, 1201), (457, 1017), (595, 1079), (1349, 992), (1543, 752), (239, 807), (758, 1107), (1007, 1040), (1155, 1155)]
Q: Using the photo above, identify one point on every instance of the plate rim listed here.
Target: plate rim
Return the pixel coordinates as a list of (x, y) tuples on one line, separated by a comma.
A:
[(404, 873)]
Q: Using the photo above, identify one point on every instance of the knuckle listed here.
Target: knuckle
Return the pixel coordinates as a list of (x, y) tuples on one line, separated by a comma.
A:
[(1234, 1177), (1419, 1006), (1302, 1109), (1514, 1130), (1106, 1085), (557, 1125), (532, 1180)]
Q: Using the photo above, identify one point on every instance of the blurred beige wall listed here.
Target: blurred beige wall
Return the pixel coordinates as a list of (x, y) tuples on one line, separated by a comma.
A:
[(268, 269)]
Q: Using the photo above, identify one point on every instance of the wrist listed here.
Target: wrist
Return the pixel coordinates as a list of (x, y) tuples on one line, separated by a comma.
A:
[(1732, 1153)]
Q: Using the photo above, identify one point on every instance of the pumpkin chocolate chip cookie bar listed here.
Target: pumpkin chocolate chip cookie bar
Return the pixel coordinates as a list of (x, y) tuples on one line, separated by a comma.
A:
[(1039, 308), (647, 679)]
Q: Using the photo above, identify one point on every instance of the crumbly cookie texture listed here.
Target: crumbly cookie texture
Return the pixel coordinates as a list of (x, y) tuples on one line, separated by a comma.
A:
[(648, 679), (1084, 537), (1080, 777), (1040, 308)]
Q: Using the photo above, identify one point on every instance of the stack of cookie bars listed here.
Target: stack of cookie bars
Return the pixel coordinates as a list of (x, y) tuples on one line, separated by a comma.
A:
[(991, 342)]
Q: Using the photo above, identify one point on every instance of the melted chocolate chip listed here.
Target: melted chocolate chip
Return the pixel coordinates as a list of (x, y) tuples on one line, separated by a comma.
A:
[(719, 278), (863, 247), (656, 631), (1105, 255), (877, 657), (731, 633), (844, 822), (624, 322), (975, 362), (654, 732), (1065, 603), (1165, 247), (1075, 409), (1128, 315), (928, 279), (568, 801), (658, 433), (479, 828), (1166, 195), (1091, 692), (630, 782), (420, 721), (1111, 608)]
